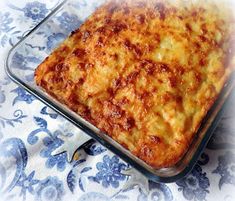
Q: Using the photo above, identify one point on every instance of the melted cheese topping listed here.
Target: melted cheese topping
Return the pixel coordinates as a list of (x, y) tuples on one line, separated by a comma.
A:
[(145, 72)]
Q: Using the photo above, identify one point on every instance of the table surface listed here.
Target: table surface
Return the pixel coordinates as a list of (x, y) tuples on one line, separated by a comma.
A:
[(30, 132)]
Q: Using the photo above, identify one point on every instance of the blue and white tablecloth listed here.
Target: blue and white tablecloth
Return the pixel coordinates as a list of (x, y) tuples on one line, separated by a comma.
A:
[(30, 132)]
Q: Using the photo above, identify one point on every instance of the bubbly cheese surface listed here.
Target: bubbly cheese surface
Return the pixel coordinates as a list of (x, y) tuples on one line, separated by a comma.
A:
[(144, 72)]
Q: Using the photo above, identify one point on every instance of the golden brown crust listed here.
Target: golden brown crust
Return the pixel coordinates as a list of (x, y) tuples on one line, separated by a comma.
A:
[(145, 72)]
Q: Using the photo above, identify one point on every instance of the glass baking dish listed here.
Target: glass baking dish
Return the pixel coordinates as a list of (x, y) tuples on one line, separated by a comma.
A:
[(26, 55)]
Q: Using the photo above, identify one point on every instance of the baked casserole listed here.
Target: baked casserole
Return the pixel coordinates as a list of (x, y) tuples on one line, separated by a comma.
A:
[(145, 72)]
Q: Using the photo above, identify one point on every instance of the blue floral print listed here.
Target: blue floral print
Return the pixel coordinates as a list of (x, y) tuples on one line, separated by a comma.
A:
[(51, 142), (195, 185), (5, 81), (46, 111), (19, 60), (5, 27), (50, 189), (14, 148), (79, 5), (22, 95), (93, 196), (54, 39), (74, 178), (27, 183), (2, 177), (22, 62), (5, 21), (25, 63), (59, 160), (18, 117), (157, 192), (226, 169), (35, 10), (94, 148), (109, 171), (2, 96), (69, 22)]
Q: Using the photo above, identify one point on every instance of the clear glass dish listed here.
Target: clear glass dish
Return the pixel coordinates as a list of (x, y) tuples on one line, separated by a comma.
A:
[(26, 55)]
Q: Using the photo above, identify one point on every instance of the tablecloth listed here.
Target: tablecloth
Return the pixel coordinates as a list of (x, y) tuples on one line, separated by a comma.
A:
[(30, 132)]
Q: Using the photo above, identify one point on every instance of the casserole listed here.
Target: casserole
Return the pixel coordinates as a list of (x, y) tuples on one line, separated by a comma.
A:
[(162, 171)]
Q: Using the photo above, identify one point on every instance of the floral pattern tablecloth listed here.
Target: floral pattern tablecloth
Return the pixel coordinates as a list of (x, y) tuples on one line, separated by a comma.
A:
[(30, 132)]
